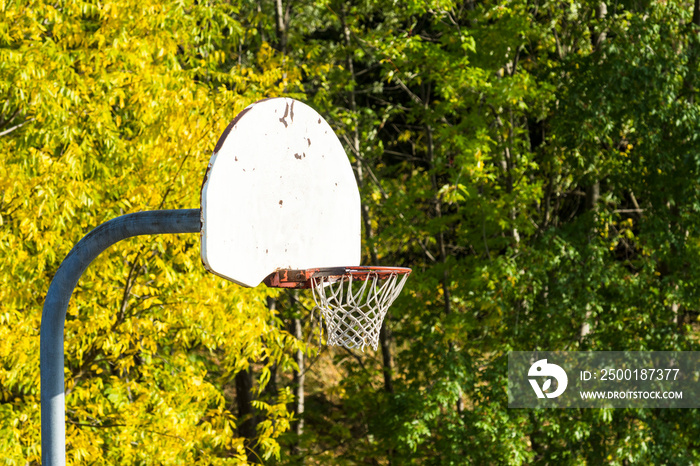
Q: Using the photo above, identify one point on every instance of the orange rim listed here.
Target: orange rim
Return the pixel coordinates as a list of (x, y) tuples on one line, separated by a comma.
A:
[(290, 278)]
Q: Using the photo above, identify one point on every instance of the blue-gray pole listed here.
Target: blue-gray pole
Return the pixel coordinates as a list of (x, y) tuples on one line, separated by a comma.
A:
[(53, 427)]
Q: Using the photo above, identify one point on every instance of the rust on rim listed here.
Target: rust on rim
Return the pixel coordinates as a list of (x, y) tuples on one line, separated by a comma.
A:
[(292, 278)]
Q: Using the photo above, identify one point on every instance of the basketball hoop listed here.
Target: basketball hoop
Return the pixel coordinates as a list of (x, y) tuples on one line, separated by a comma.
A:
[(280, 195), (352, 300)]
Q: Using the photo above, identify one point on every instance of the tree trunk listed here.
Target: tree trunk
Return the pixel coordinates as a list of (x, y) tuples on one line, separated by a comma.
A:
[(592, 197), (693, 52), (437, 206), (384, 333), (247, 421), (593, 190), (271, 388), (298, 388), (282, 21)]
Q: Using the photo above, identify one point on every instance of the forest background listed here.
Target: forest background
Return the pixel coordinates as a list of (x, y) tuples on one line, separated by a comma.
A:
[(536, 163)]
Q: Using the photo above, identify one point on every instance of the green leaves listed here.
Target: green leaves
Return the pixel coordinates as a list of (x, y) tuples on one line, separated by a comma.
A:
[(480, 137)]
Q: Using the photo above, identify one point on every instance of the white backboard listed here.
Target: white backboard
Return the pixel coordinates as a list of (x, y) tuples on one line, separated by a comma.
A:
[(279, 193)]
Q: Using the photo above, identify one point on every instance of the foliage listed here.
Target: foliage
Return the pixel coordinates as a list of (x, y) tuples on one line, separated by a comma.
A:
[(536, 164), (116, 107)]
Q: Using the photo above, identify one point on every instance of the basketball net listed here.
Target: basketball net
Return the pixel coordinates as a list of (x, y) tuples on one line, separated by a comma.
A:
[(353, 310)]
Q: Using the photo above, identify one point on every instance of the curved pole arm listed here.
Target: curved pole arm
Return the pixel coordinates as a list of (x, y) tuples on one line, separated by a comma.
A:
[(53, 428)]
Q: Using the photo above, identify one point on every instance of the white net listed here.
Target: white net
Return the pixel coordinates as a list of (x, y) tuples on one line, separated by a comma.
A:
[(353, 309)]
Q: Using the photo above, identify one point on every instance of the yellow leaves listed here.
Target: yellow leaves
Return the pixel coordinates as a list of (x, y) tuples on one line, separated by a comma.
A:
[(27, 229), (119, 126), (623, 232), (217, 57), (405, 136), (273, 75), (479, 156), (453, 193)]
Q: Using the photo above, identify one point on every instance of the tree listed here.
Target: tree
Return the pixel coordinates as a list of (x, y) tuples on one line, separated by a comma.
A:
[(107, 109), (534, 162), (482, 128)]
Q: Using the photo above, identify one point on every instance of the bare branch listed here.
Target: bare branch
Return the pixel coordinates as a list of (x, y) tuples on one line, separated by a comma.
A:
[(9, 130)]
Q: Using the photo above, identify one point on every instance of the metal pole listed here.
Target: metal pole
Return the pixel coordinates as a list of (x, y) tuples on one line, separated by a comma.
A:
[(53, 428)]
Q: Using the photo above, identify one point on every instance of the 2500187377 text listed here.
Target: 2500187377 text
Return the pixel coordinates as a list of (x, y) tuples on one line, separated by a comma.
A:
[(638, 374)]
